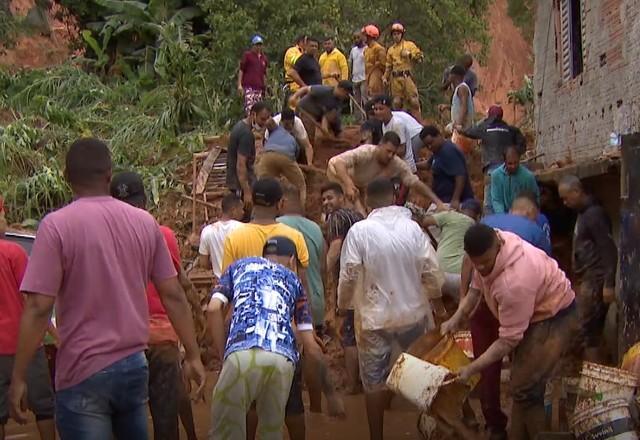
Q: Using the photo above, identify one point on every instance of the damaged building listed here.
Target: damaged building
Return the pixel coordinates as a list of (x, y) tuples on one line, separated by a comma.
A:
[(587, 116)]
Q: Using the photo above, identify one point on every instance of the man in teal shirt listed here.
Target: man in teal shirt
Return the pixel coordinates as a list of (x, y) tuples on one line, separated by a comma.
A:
[(293, 211), (509, 180)]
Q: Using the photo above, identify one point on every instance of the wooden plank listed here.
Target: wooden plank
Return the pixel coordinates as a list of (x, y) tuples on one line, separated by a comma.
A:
[(203, 176)]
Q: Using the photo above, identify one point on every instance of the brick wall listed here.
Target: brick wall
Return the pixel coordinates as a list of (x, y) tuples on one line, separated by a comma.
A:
[(574, 118)]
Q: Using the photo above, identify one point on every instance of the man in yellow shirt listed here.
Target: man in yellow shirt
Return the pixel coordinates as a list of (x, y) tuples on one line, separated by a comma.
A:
[(375, 58), (333, 64), (401, 58), (290, 57), (248, 240)]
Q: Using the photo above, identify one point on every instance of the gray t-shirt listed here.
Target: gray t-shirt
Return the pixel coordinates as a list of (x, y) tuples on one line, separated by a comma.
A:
[(281, 141), (319, 101), (241, 141)]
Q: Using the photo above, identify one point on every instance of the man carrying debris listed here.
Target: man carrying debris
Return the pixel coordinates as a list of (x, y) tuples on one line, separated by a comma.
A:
[(93, 259), (462, 109), (401, 58), (241, 154), (320, 107), (355, 169), (495, 136), (535, 306), (400, 278), (280, 153), (595, 260)]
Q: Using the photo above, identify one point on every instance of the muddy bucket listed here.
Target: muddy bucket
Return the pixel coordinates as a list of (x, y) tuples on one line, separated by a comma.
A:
[(449, 354), (606, 420), (599, 383), (416, 380)]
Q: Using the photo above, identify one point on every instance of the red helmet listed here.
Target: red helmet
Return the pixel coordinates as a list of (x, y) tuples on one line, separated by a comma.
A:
[(371, 31), (397, 27)]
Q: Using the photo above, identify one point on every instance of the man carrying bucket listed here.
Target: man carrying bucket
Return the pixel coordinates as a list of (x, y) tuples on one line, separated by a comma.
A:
[(400, 274), (535, 305)]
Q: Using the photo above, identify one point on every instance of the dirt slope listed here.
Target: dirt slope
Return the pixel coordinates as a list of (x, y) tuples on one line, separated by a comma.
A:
[(38, 50), (510, 58)]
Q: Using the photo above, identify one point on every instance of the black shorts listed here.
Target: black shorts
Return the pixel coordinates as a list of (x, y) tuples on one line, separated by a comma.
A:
[(348, 330), (295, 405), (39, 390)]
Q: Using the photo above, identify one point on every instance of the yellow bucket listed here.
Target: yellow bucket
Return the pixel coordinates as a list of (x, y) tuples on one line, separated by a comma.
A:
[(448, 354)]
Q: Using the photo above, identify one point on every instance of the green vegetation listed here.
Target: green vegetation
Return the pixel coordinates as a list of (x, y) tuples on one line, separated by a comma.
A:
[(157, 75), (524, 98), (522, 12)]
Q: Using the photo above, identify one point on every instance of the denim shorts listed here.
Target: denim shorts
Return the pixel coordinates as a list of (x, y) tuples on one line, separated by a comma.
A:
[(376, 352), (110, 403)]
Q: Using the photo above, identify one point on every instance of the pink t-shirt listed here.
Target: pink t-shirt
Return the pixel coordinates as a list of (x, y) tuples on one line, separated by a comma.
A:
[(96, 257), (525, 286)]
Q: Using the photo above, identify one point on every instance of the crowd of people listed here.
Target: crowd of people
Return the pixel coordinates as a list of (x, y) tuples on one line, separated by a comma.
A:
[(396, 265)]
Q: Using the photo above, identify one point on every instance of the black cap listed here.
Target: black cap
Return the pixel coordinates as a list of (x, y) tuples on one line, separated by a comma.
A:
[(266, 192), (346, 85), (128, 187), (280, 246)]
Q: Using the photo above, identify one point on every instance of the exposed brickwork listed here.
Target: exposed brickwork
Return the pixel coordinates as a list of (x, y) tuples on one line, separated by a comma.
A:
[(574, 118)]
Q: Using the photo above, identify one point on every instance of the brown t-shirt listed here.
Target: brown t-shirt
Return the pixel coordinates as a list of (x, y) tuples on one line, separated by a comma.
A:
[(364, 168)]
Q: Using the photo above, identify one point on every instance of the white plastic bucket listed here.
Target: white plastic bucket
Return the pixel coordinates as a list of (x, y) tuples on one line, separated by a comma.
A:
[(416, 380), (606, 420), (599, 383)]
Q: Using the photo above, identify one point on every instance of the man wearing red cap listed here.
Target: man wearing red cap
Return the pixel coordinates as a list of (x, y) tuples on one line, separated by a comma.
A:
[(375, 56), (495, 137)]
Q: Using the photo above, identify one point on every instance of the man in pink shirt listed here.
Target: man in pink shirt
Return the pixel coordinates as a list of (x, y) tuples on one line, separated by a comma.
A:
[(535, 305), (163, 354), (94, 258)]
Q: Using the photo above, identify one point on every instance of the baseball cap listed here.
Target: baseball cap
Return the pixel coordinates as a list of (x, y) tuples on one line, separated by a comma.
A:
[(257, 39), (128, 187), (495, 112), (280, 246), (266, 192)]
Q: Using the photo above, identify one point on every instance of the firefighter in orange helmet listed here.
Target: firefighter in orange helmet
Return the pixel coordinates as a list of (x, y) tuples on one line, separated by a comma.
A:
[(375, 58), (401, 59)]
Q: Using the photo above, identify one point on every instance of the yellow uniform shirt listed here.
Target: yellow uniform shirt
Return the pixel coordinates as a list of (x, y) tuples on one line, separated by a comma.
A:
[(402, 56), (375, 58), (290, 57), (334, 63), (249, 240)]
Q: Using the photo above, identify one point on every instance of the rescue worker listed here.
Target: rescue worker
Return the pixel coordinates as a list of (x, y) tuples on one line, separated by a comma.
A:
[(401, 58), (290, 57), (375, 58)]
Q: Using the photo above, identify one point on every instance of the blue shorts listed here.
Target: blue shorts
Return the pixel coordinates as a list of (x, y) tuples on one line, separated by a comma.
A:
[(375, 352)]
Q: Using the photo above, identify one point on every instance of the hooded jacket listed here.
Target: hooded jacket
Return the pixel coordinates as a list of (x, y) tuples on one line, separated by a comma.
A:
[(525, 286)]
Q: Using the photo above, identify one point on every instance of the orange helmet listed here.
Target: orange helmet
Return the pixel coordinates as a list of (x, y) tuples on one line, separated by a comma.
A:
[(397, 27), (371, 31)]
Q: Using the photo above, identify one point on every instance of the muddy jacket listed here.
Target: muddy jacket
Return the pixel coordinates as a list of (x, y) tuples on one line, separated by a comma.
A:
[(525, 286), (595, 256), (495, 136)]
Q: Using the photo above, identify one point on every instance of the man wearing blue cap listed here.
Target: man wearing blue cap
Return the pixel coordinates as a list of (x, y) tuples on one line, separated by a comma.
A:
[(253, 73)]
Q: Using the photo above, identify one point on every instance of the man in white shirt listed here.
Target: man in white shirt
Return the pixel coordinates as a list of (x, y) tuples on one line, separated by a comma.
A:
[(413, 131), (391, 122), (212, 236), (358, 75), (300, 133), (393, 259)]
